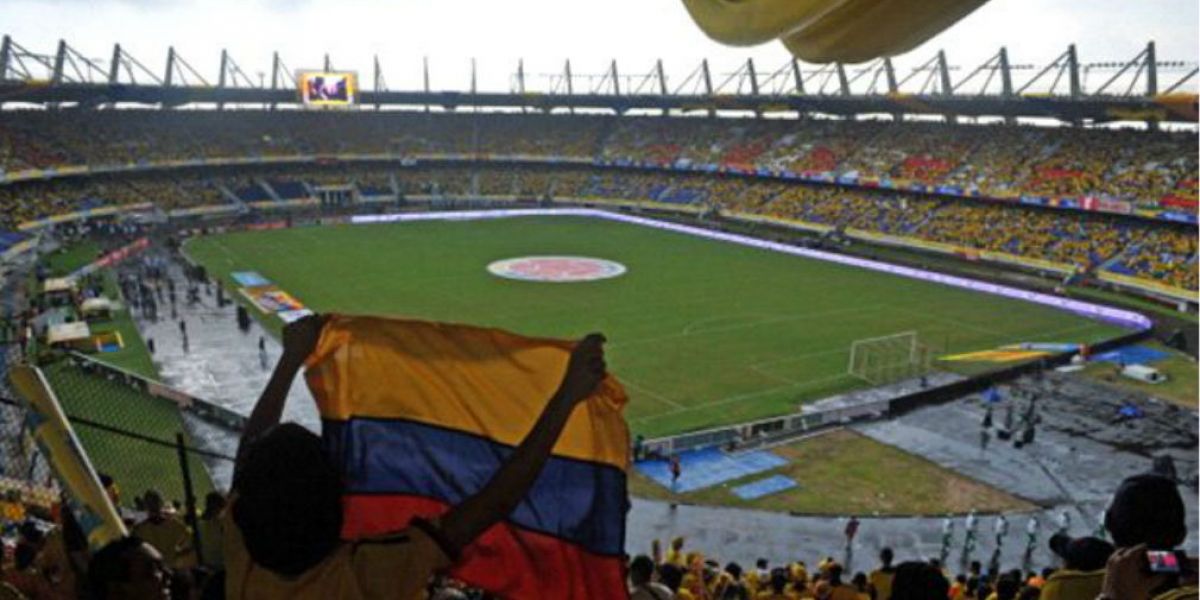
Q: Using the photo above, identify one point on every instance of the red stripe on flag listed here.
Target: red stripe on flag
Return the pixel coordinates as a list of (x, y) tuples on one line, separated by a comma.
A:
[(507, 561)]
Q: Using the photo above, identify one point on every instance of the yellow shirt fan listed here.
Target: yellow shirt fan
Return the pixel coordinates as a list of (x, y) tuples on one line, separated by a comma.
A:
[(821, 31)]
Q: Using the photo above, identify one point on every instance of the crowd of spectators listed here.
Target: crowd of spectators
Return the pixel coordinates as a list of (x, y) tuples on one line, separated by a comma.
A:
[(1081, 241), (994, 160), (1145, 514), (999, 160), (46, 558), (276, 536)]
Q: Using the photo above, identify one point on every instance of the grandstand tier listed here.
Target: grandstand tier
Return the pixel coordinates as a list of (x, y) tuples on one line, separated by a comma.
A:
[(1158, 255)]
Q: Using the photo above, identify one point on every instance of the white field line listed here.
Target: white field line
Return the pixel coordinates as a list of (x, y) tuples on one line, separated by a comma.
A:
[(740, 397), (774, 376), (797, 357), (780, 319), (799, 385), (952, 321), (694, 326), (229, 255), (649, 392)]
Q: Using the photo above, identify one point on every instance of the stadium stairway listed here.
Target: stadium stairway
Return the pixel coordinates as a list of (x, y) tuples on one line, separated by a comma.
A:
[(230, 196), (1113, 263), (266, 186), (925, 218)]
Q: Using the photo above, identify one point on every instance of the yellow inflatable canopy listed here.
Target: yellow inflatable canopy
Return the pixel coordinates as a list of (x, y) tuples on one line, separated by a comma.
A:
[(821, 31)]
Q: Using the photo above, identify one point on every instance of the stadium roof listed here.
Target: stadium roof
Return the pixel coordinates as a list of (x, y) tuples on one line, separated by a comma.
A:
[(1129, 90)]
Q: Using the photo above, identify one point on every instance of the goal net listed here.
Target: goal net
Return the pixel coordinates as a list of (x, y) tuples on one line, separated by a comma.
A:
[(890, 358)]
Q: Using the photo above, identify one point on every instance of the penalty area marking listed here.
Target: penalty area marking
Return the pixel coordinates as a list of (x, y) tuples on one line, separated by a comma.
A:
[(745, 396)]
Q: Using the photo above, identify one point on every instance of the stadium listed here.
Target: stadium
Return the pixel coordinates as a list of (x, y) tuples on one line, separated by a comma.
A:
[(874, 301)]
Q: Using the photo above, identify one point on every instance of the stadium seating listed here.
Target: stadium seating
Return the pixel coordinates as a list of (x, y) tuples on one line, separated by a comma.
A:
[(1146, 170), (1087, 241), (993, 159)]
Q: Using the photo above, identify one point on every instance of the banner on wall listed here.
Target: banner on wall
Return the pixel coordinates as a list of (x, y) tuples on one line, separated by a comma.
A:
[(271, 299), (114, 257), (268, 297)]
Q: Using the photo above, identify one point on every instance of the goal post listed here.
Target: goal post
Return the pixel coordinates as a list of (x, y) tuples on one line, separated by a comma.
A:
[(889, 358)]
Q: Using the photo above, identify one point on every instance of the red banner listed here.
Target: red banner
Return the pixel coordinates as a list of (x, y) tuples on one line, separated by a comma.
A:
[(1054, 173), (1179, 202), (1105, 205), (267, 225), (121, 253)]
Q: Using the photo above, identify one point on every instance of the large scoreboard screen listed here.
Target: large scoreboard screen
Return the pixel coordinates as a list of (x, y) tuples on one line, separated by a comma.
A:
[(328, 89)]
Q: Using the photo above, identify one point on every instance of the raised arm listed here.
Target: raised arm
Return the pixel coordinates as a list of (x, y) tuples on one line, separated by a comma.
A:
[(299, 340), (509, 485)]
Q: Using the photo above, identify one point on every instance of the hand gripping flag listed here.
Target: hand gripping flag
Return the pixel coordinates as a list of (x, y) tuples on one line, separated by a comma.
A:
[(420, 415)]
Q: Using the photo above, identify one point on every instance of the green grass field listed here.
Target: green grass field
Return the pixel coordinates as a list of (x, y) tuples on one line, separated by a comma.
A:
[(842, 472), (134, 356), (135, 464), (701, 332), (1183, 378)]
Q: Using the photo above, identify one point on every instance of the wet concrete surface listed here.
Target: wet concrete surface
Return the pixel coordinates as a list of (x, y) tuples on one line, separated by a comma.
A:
[(1075, 462), (216, 360)]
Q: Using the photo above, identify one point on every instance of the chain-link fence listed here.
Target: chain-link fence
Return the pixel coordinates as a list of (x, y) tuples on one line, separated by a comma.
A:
[(129, 434), (26, 483)]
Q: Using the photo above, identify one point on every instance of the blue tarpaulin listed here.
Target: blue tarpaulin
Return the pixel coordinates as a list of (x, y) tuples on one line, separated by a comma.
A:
[(764, 487), (708, 467), (1131, 355)]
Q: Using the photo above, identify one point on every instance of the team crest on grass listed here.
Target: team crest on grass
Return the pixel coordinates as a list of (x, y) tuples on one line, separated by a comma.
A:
[(556, 269)]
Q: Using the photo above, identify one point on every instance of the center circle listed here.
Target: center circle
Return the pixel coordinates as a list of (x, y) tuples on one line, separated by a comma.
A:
[(556, 269)]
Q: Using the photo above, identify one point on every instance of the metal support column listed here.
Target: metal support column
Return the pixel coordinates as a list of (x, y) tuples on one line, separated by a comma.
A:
[(170, 67), (425, 72), (1006, 87), (276, 65), (843, 81), (60, 58), (944, 73), (5, 57), (797, 77), (1073, 72)]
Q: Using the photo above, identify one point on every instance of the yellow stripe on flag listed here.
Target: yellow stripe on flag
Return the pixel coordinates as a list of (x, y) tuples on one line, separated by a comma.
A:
[(476, 380)]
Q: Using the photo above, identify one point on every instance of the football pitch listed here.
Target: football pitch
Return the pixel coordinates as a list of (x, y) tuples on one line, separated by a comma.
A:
[(701, 332)]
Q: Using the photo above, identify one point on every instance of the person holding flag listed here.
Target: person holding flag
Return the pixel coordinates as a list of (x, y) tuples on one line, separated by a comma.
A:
[(286, 520)]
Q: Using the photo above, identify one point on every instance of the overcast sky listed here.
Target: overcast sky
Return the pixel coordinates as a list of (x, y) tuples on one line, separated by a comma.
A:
[(544, 32)]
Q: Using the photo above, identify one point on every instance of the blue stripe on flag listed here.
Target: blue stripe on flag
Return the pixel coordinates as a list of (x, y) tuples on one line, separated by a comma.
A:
[(578, 501)]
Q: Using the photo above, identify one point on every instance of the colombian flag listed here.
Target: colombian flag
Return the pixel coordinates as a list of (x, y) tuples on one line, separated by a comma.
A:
[(420, 415)]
